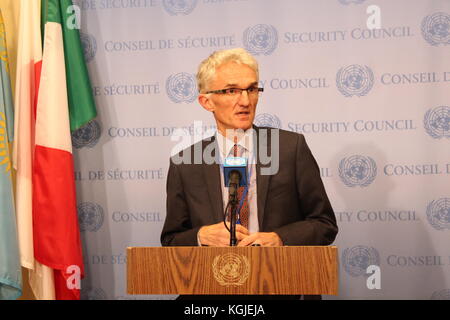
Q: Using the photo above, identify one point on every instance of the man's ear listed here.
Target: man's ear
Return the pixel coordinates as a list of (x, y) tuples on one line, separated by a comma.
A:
[(206, 102)]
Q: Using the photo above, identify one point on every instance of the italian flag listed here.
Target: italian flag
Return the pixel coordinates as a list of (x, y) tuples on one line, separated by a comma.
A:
[(49, 84)]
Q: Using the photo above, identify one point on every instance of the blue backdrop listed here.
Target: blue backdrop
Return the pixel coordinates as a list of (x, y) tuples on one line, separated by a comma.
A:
[(366, 82)]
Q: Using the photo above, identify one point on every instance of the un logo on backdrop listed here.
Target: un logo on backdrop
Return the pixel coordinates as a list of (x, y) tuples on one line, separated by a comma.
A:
[(93, 294), (438, 213), (267, 120), (87, 136), (441, 295), (176, 7), (354, 80), (357, 171), (89, 45), (358, 258), (90, 216), (181, 87), (260, 39), (437, 122), (436, 29), (347, 2)]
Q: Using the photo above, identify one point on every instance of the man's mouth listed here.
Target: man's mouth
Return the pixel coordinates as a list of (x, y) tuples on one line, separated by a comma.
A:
[(243, 113)]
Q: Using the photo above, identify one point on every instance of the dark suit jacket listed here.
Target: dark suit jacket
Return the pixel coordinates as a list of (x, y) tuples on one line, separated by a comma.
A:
[(293, 202)]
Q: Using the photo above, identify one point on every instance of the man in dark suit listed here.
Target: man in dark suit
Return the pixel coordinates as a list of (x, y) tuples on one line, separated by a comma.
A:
[(292, 203), (285, 202)]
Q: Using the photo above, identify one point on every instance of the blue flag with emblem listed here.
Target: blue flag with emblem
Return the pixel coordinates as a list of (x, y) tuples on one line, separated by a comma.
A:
[(10, 270)]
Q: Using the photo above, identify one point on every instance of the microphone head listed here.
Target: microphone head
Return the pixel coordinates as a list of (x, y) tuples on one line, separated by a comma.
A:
[(235, 176), (235, 167)]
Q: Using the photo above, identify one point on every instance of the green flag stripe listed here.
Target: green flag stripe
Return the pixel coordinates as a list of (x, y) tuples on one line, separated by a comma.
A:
[(81, 100)]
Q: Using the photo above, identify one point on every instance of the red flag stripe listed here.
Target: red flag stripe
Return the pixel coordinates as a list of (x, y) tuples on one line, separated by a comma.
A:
[(55, 222)]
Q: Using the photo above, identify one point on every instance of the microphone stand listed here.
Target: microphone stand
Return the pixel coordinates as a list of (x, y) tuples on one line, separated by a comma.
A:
[(233, 202)]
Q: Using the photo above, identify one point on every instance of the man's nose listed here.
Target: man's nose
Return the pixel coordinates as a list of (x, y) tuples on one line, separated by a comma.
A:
[(244, 99)]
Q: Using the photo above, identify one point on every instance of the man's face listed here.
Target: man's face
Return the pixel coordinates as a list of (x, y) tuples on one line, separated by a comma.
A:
[(232, 112)]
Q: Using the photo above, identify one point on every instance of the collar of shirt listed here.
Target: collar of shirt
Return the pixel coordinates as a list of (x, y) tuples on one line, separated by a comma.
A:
[(226, 144)]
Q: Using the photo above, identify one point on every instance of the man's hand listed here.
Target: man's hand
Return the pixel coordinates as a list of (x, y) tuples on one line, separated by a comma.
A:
[(265, 239), (218, 236)]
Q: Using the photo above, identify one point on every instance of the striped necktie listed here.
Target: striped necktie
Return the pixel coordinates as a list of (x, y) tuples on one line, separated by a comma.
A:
[(244, 211)]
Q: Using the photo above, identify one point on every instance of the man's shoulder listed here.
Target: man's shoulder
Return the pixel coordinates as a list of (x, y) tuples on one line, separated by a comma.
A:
[(193, 152), (285, 135)]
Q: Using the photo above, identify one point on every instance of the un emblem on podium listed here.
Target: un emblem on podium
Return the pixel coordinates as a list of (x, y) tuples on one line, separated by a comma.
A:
[(357, 171), (231, 269), (181, 87), (357, 259), (437, 122), (260, 39), (438, 213), (354, 80), (436, 29)]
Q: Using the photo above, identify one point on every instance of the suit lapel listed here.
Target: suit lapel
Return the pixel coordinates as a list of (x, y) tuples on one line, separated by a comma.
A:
[(262, 181), (212, 177)]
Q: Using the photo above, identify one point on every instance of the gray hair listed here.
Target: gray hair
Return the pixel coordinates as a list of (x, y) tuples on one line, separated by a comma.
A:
[(207, 69)]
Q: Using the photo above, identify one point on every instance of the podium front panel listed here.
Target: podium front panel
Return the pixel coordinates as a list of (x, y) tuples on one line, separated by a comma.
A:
[(232, 270)]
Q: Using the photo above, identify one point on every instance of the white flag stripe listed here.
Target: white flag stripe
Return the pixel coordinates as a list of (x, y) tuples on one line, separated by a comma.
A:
[(28, 54), (52, 109)]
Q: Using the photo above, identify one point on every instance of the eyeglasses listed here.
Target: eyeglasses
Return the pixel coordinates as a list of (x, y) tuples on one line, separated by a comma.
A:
[(237, 92)]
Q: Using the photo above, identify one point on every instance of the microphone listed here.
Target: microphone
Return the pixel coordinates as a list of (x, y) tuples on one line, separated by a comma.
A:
[(237, 165), (233, 185), (235, 176)]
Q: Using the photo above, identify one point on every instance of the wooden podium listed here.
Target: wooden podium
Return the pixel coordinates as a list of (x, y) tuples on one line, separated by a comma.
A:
[(232, 270)]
